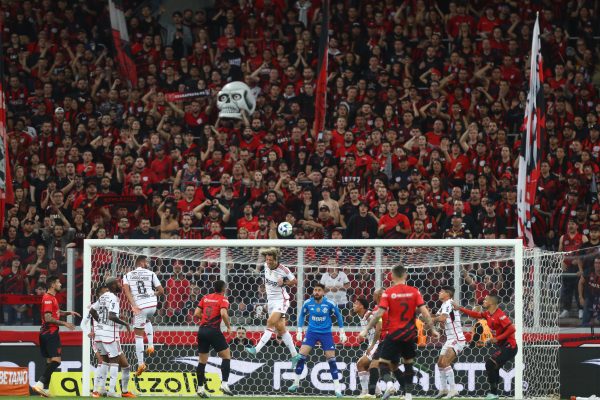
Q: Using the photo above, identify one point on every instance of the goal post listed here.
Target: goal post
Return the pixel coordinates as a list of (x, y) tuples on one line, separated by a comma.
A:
[(527, 282)]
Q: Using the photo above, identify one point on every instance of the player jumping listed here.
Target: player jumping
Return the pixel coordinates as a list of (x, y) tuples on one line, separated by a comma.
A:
[(361, 308), (501, 324), (276, 277), (50, 346), (401, 301), (211, 310), (455, 343), (106, 334), (319, 310), (141, 288), (87, 327)]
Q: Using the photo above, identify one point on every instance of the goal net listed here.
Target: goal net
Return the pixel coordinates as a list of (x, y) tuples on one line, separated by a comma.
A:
[(527, 282)]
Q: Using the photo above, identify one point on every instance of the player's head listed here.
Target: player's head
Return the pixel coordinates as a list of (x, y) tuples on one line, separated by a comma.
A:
[(446, 293), (100, 290), (271, 256), (53, 282), (360, 305), (377, 295), (490, 301), (141, 261), (318, 291), (399, 273), (219, 286), (113, 284)]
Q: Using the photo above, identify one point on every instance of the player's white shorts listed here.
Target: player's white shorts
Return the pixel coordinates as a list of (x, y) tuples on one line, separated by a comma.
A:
[(372, 352), (139, 321), (94, 346), (111, 350), (456, 345), (280, 306)]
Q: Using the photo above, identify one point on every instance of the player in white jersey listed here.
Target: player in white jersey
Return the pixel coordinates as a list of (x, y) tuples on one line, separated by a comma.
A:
[(277, 278), (142, 288), (361, 308), (449, 318), (87, 327), (105, 312)]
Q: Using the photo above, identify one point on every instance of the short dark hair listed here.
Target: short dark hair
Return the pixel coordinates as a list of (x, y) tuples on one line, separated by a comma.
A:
[(219, 286), (100, 288), (316, 285), (140, 258), (399, 271), (494, 297), (50, 281), (363, 301), (449, 290)]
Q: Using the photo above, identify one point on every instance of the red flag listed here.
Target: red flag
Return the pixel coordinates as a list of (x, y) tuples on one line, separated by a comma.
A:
[(121, 40), (6, 188), (532, 143), (321, 90)]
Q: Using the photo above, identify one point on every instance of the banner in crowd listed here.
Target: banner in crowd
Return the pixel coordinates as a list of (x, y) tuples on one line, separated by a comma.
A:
[(177, 96), (532, 142), (121, 41), (6, 188), (321, 89)]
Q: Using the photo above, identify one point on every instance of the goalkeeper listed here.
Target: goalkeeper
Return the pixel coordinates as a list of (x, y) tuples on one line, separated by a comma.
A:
[(319, 310)]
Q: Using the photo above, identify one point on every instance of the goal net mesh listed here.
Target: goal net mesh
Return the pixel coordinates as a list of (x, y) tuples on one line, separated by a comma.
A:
[(187, 274)]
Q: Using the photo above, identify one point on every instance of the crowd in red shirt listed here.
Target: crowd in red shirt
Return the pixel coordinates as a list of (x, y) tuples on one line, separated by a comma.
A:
[(424, 112)]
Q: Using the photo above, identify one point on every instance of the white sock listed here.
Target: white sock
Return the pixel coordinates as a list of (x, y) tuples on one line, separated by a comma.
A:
[(336, 385), (125, 379), (363, 377), (149, 333), (139, 349), (297, 380), (443, 379), (450, 376), (114, 373), (289, 342), (100, 381), (264, 339)]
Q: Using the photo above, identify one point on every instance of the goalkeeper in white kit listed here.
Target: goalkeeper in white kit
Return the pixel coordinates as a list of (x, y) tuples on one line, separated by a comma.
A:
[(319, 311)]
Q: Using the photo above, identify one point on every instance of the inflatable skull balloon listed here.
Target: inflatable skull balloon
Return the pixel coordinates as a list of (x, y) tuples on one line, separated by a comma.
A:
[(233, 98)]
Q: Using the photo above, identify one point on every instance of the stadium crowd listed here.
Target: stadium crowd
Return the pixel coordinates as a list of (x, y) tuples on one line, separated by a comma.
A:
[(425, 106)]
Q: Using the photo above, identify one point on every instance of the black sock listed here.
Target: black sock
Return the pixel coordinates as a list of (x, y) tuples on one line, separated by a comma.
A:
[(399, 377), (373, 380), (200, 374), (409, 373), (225, 369), (493, 374), (47, 375)]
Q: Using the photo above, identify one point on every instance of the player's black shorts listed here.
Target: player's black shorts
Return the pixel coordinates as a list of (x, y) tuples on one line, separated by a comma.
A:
[(504, 354), (396, 345), (211, 337), (50, 345)]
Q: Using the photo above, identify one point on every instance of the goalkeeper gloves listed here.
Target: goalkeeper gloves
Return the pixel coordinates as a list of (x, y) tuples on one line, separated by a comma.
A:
[(299, 335), (343, 337)]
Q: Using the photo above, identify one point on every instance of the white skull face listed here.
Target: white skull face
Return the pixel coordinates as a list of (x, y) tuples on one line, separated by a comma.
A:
[(233, 98)]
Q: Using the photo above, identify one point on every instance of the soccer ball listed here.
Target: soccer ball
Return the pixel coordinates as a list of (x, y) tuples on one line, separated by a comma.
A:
[(285, 229)]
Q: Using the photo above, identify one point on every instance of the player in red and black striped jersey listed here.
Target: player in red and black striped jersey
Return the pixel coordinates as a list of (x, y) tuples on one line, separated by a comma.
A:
[(402, 302), (49, 337), (504, 337), (212, 309)]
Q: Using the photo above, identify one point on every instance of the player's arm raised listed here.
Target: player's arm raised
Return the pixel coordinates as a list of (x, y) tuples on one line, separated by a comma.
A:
[(73, 313), (129, 295), (466, 311), (428, 321)]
